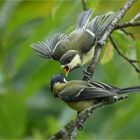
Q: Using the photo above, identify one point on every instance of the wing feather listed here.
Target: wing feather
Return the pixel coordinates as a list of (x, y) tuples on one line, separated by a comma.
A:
[(45, 48), (81, 94)]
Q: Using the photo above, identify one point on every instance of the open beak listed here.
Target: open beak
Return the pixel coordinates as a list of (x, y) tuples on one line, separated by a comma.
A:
[(66, 70)]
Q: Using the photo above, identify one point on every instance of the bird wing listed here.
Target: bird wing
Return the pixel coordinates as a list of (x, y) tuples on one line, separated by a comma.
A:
[(103, 86), (45, 48), (83, 18), (100, 23), (86, 93), (99, 85)]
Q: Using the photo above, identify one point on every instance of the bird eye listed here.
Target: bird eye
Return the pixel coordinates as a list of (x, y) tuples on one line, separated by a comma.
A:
[(69, 60)]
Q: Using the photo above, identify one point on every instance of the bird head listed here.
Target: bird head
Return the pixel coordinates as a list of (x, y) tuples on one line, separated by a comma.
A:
[(59, 78), (70, 60)]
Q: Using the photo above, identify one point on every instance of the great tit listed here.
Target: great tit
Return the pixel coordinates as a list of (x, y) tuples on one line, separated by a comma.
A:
[(80, 95), (77, 48)]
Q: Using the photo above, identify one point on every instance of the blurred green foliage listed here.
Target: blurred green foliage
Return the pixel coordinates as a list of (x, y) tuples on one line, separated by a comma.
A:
[(27, 109)]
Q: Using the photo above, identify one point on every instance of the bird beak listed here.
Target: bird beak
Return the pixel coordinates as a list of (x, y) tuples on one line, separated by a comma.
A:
[(66, 70)]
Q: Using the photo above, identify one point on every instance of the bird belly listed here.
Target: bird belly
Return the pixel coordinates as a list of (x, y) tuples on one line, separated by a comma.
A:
[(88, 56), (80, 105)]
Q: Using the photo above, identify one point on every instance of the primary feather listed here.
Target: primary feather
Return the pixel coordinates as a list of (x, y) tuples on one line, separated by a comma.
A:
[(45, 48)]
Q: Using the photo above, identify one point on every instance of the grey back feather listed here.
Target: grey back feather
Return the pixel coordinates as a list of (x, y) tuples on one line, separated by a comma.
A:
[(83, 19), (45, 49)]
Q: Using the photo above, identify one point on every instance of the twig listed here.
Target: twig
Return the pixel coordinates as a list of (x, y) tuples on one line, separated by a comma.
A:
[(126, 58), (137, 17), (84, 115), (70, 131), (63, 133), (121, 13), (127, 24), (133, 22), (128, 33), (84, 5)]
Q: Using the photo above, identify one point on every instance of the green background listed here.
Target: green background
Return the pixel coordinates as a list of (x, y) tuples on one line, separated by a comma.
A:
[(28, 110)]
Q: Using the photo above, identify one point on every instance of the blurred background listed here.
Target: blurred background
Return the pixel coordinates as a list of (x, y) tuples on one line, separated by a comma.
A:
[(27, 108)]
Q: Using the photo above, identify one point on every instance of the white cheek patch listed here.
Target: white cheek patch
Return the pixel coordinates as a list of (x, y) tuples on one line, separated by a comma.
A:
[(64, 80), (76, 61)]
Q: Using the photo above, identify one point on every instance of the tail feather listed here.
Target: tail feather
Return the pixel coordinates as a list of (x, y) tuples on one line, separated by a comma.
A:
[(100, 23), (128, 90)]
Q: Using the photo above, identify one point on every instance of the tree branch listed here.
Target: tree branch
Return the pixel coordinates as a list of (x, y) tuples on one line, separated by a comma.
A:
[(127, 24), (135, 18), (127, 33), (133, 22), (84, 5), (70, 131)]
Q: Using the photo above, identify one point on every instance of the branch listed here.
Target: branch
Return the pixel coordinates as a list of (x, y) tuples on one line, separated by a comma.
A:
[(126, 58), (84, 5), (127, 24), (84, 115), (127, 33), (133, 22), (100, 44), (137, 17), (70, 131)]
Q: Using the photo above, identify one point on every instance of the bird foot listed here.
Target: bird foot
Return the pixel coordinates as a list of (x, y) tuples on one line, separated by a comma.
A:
[(86, 73), (101, 43)]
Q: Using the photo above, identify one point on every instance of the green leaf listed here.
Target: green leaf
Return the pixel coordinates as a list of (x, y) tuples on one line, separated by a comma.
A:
[(41, 77), (125, 44), (107, 54)]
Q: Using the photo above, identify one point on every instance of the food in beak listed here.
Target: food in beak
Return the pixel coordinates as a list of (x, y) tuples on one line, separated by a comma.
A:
[(66, 70)]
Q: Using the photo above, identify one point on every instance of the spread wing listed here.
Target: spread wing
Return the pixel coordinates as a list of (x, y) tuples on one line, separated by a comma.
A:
[(45, 49), (86, 93)]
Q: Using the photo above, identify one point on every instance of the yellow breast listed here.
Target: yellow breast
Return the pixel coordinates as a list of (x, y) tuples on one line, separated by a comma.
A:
[(88, 56), (81, 105)]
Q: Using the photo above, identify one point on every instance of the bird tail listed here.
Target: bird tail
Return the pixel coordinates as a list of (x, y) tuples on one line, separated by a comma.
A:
[(100, 23), (83, 19), (128, 90)]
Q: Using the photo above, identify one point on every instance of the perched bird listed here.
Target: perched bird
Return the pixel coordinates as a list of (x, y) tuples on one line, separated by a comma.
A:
[(77, 48), (80, 95)]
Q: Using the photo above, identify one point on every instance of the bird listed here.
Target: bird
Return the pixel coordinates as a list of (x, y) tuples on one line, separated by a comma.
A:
[(75, 49), (79, 94)]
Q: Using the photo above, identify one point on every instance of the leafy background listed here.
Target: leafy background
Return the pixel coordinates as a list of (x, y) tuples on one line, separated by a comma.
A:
[(27, 108)]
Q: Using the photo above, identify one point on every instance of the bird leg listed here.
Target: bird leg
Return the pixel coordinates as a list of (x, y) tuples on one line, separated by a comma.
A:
[(86, 72)]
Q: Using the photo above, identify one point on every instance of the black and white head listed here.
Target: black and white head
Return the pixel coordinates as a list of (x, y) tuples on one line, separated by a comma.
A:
[(59, 78), (70, 60)]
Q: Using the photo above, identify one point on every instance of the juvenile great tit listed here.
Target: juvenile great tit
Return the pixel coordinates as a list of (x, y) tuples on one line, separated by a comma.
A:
[(77, 48), (79, 95)]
